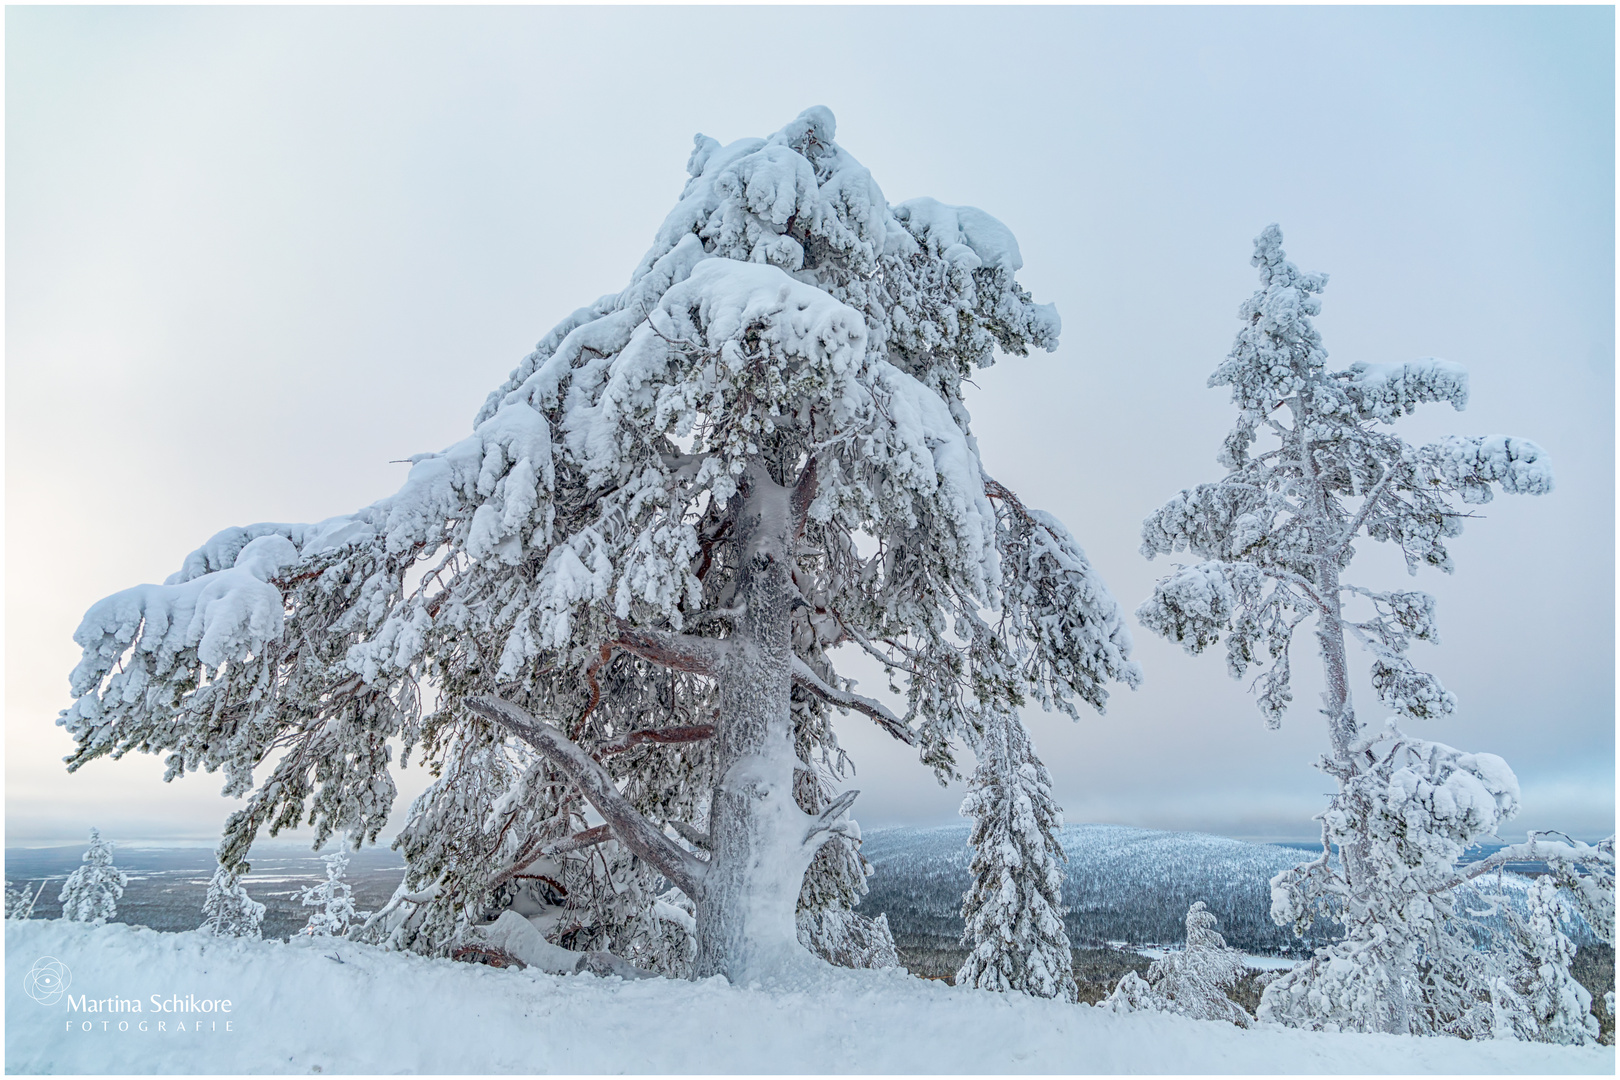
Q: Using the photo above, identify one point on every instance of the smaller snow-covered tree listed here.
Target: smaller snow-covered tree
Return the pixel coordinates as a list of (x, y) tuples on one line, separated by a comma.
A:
[(228, 910), (1013, 910), (1538, 999), (91, 892), (332, 899), (1414, 959), (20, 900), (1192, 982), (1313, 470)]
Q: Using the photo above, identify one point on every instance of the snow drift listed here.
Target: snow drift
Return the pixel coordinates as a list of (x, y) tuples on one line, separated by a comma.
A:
[(340, 1007)]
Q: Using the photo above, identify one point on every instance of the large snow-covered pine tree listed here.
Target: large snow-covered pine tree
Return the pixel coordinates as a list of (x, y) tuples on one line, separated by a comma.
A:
[(1013, 910), (1275, 537), (91, 893), (623, 590)]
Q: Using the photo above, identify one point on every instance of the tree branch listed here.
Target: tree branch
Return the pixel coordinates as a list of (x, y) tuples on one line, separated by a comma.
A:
[(1366, 508), (1303, 584), (631, 829), (804, 493), (683, 652), (809, 680), (665, 736)]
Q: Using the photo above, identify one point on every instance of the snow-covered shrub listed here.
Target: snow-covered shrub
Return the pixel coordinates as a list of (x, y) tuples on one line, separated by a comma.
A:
[(623, 591), (332, 899), (1275, 537), (1190, 982), (1013, 912), (91, 892), (228, 911)]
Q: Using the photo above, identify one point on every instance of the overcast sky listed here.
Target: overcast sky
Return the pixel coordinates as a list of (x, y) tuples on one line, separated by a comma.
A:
[(255, 256)]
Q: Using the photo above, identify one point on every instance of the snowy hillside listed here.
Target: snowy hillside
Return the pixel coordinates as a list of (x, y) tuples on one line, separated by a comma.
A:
[(1120, 884), (297, 1009)]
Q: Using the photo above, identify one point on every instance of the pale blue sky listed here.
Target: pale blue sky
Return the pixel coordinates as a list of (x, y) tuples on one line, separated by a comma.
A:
[(254, 255)]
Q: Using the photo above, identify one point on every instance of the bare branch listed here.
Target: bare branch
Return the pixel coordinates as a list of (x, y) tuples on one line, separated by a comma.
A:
[(804, 492), (601, 834), (809, 680), (628, 826), (665, 736), (693, 835)]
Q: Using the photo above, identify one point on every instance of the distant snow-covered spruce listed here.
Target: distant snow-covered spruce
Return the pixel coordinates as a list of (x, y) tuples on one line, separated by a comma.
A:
[(91, 893), (623, 587), (332, 899), (1275, 536)]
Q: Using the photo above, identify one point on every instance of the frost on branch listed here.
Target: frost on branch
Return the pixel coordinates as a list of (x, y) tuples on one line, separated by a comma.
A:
[(1192, 982), (693, 489), (91, 892), (228, 911), (1013, 911)]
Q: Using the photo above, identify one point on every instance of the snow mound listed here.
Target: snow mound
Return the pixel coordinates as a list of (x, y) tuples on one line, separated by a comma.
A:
[(338, 1007)]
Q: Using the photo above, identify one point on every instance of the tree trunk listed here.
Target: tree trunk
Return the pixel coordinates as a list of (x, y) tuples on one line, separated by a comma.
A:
[(760, 839), (1343, 730)]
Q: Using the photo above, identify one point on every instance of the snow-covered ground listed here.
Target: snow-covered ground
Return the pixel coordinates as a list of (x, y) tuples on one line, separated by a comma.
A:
[(295, 1009)]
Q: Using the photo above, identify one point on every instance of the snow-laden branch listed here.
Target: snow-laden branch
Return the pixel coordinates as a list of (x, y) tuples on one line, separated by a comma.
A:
[(1593, 889), (629, 826), (683, 652), (809, 680)]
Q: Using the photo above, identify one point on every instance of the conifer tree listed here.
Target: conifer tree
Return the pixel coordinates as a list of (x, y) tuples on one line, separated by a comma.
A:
[(622, 591), (1276, 536), (1537, 998), (1013, 910), (91, 893), (20, 900), (1192, 982), (332, 899), (228, 910)]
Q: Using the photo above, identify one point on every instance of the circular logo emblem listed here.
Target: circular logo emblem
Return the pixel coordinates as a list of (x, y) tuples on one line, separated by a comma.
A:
[(47, 980)]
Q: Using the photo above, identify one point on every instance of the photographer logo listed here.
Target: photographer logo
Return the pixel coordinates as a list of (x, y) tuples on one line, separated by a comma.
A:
[(47, 980)]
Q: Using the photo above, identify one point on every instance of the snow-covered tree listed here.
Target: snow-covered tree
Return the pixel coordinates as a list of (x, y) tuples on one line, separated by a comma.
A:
[(20, 900), (1013, 911), (1275, 537), (228, 911), (1190, 982), (1538, 999), (623, 589), (332, 899), (91, 892)]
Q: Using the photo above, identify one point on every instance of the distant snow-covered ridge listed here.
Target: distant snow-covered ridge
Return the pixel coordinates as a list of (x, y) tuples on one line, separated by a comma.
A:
[(335, 1007), (1120, 884)]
